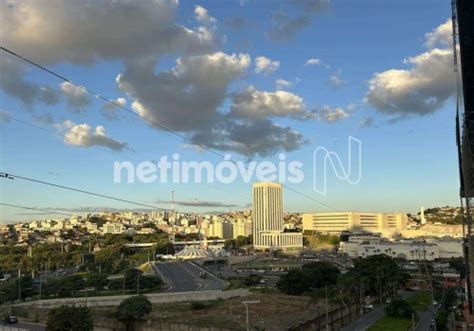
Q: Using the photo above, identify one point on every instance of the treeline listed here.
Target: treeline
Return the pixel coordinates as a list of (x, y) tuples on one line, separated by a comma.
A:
[(377, 275), (77, 285), (112, 256)]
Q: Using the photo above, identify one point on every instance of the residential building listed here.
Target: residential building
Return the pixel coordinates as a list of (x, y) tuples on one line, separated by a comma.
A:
[(113, 228), (241, 227)]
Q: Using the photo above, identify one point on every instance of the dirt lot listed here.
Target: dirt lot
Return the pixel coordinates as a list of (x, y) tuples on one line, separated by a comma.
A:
[(274, 312)]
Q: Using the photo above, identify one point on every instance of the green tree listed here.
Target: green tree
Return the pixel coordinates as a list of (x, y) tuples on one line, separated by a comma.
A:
[(399, 308), (450, 298), (380, 272), (133, 309), (321, 274), (295, 282), (131, 278), (69, 318)]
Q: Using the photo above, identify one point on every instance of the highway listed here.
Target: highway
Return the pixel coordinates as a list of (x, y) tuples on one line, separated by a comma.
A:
[(183, 276)]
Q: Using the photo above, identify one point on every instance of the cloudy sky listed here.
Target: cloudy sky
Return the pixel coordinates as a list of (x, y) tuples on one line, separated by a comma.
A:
[(247, 78)]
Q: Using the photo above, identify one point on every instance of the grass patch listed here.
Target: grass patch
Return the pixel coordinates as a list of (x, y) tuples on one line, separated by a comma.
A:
[(420, 301), (234, 283), (388, 323)]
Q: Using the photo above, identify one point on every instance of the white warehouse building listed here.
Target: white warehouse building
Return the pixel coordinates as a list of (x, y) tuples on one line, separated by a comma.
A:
[(337, 222), (413, 250)]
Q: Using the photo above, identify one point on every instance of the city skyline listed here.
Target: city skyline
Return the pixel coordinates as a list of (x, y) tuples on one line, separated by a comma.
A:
[(269, 92)]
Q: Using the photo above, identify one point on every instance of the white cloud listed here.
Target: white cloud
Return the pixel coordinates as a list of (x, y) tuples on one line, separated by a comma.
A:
[(367, 122), (110, 110), (335, 80), (421, 89), (77, 97), (254, 137), (265, 65), (14, 84), (440, 36), (252, 103), (84, 135), (82, 32), (283, 84), (285, 27), (332, 115), (313, 62), (187, 97), (202, 16)]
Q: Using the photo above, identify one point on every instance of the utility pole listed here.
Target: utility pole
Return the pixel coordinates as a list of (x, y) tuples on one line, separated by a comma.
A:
[(138, 282), (327, 309), (40, 287), (19, 284), (247, 321)]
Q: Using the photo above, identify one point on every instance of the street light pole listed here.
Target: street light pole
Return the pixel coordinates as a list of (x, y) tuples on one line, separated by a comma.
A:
[(19, 284), (247, 321)]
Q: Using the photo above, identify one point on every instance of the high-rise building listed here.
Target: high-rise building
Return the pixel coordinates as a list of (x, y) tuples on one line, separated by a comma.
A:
[(268, 219)]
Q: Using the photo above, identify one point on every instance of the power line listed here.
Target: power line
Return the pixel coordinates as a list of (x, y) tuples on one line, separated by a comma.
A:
[(128, 110), (115, 103), (10, 117), (34, 208), (10, 175), (310, 198), (13, 176)]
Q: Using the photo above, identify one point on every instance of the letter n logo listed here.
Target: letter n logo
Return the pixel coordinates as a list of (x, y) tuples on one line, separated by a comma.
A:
[(322, 157)]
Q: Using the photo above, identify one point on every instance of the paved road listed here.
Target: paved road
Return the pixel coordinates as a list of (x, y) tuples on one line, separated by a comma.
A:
[(366, 320), (371, 317), (183, 276), (22, 326), (424, 323)]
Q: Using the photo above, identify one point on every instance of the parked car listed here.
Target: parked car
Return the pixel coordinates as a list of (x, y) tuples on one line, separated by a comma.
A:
[(11, 319)]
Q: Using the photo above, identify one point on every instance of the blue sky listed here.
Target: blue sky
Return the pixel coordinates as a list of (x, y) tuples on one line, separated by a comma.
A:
[(401, 111)]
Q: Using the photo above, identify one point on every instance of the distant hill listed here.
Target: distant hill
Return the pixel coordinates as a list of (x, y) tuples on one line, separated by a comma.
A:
[(443, 215)]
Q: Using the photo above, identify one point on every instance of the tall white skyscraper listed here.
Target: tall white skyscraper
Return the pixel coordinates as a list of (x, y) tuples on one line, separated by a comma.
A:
[(268, 218), (422, 215)]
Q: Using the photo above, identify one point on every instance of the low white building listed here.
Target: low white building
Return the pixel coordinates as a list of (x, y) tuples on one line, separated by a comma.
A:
[(363, 246), (113, 228), (338, 222)]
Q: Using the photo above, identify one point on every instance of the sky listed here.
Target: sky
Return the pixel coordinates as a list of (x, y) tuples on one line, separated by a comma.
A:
[(249, 80)]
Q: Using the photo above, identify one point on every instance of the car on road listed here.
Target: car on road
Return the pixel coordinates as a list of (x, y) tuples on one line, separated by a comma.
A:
[(367, 307), (10, 319), (202, 274), (389, 301)]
